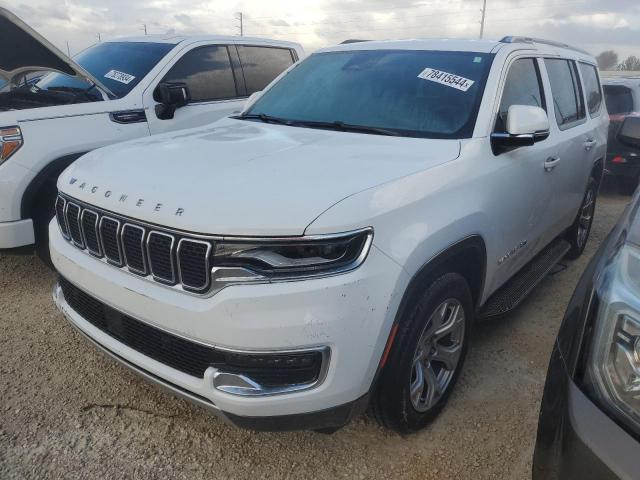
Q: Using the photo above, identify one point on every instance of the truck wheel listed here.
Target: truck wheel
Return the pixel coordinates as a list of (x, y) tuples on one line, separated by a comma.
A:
[(426, 357), (578, 233), (41, 219), (627, 185)]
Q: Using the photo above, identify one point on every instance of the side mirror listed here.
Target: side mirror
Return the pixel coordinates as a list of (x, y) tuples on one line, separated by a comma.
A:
[(629, 133), (525, 126), (171, 96)]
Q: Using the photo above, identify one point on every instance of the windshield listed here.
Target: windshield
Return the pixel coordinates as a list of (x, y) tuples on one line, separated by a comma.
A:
[(118, 65), (416, 93)]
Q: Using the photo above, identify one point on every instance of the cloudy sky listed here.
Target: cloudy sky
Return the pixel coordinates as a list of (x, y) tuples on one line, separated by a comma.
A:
[(592, 24)]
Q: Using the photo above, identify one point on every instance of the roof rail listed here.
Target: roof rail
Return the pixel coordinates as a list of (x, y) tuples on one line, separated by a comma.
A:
[(515, 39), (353, 40)]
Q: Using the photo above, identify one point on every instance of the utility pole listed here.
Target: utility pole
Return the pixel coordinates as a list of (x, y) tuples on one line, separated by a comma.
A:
[(68, 50), (144, 26), (484, 11), (240, 26), (99, 38)]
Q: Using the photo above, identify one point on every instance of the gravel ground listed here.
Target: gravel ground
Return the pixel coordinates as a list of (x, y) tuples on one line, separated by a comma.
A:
[(67, 411)]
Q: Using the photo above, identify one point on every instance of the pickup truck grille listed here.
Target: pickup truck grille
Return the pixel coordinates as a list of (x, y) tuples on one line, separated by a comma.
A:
[(162, 255)]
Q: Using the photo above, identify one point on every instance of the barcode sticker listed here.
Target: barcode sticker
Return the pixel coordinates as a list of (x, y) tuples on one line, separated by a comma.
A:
[(119, 76), (445, 78)]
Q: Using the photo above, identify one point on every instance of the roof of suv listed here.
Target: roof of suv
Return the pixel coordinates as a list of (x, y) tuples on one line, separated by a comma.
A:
[(463, 45), (188, 39)]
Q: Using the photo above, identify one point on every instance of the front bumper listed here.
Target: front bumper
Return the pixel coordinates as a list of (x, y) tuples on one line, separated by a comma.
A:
[(575, 438), (17, 234), (349, 314)]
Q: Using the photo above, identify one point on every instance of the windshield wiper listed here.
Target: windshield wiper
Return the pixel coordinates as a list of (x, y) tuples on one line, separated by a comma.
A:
[(263, 118), (347, 127)]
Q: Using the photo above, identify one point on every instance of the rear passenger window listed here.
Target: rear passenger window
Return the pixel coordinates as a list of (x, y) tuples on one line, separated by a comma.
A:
[(522, 87), (262, 64), (207, 73), (566, 91), (592, 89), (619, 99)]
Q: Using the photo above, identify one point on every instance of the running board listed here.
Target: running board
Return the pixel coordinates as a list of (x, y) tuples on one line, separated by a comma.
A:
[(511, 294)]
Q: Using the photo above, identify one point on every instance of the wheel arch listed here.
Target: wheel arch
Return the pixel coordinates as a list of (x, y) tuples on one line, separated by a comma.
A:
[(467, 257), (42, 181)]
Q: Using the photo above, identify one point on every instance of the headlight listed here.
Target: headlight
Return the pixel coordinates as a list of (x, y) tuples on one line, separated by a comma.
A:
[(613, 367), (10, 142), (241, 261)]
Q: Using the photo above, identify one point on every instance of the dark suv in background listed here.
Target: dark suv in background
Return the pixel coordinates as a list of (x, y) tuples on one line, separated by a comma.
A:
[(590, 414), (622, 96)]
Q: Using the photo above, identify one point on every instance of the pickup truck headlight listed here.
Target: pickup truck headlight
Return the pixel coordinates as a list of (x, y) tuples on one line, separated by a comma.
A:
[(237, 261), (613, 366), (10, 142)]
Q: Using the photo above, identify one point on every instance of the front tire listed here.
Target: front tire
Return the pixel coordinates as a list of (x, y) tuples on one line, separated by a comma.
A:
[(578, 233), (426, 357)]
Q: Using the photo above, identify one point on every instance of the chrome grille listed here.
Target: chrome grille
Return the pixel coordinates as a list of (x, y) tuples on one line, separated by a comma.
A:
[(73, 222), (133, 248), (165, 256), (89, 221), (160, 252), (109, 234), (61, 203)]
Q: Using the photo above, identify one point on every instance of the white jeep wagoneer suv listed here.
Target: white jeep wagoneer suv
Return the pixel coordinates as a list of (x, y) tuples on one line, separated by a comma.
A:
[(111, 92), (331, 247)]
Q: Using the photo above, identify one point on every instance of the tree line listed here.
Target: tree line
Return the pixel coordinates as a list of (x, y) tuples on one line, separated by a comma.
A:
[(608, 60)]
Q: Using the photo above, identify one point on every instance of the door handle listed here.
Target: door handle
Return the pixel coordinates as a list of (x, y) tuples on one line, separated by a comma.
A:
[(589, 144), (550, 163)]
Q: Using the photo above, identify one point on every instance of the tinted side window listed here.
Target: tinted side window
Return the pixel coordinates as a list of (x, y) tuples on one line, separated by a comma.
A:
[(262, 64), (565, 88), (522, 87), (591, 87), (619, 99), (207, 73)]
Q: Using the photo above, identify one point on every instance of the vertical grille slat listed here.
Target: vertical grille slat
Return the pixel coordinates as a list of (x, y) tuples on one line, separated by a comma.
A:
[(193, 264), (109, 233), (160, 250), (133, 248), (161, 255), (89, 221), (73, 223), (61, 203)]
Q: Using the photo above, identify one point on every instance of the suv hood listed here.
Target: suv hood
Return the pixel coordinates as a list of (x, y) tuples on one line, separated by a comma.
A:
[(238, 177), (24, 50)]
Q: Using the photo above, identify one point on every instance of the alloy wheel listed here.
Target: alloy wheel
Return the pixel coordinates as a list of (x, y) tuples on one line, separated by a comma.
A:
[(586, 217), (437, 355)]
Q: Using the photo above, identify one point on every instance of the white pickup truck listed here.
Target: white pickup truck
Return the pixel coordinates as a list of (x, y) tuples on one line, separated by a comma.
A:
[(113, 91)]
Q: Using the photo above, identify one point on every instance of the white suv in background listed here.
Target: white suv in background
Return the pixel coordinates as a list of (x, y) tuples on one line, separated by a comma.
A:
[(331, 247), (113, 91)]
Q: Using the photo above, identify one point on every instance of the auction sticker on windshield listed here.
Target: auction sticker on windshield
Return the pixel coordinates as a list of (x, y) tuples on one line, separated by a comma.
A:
[(445, 78), (119, 76)]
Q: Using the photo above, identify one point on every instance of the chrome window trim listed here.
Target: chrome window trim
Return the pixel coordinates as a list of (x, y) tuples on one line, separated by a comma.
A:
[(97, 232), (186, 286), (142, 249), (64, 217), (120, 262), (173, 280), (80, 245)]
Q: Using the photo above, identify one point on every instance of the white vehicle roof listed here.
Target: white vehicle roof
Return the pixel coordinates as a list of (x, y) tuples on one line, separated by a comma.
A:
[(462, 45), (189, 39)]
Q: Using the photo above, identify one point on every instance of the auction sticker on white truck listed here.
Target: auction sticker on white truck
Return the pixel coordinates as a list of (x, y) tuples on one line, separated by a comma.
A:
[(446, 78), (119, 76)]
